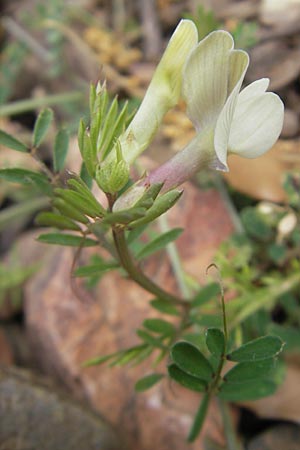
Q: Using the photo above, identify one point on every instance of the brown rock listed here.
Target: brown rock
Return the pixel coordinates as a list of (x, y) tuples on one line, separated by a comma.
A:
[(268, 171), (274, 60), (35, 415), (65, 331), (276, 438), (290, 124), (6, 354)]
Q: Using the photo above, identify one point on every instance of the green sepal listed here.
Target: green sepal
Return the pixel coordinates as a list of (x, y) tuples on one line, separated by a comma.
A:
[(162, 204), (78, 185), (79, 201), (189, 359), (124, 217), (50, 219), (68, 210), (186, 380)]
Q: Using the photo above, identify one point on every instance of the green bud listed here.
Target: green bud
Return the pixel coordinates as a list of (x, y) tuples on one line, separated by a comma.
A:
[(112, 176)]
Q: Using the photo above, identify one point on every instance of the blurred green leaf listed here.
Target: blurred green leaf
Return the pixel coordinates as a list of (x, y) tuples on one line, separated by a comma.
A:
[(277, 252), (207, 293), (24, 176), (261, 348), (159, 326), (148, 381), (189, 359), (164, 307), (95, 269), (61, 145), (289, 335), (148, 338), (246, 371), (9, 141), (41, 126), (204, 20), (66, 239), (159, 242), (250, 390), (207, 320), (50, 219), (186, 380), (215, 341), (199, 418), (254, 223)]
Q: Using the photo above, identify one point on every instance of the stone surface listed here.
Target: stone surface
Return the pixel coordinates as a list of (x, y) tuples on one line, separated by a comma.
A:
[(36, 416), (65, 331), (277, 438), (6, 354), (290, 124), (274, 60), (262, 178)]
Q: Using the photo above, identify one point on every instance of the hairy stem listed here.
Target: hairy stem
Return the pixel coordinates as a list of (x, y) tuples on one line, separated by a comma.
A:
[(137, 275)]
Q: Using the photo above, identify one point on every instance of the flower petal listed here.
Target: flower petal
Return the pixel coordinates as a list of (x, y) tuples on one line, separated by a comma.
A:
[(258, 87), (163, 92), (205, 78), (256, 125), (239, 61)]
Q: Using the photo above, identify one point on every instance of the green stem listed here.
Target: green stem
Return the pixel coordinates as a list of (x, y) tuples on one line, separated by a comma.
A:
[(174, 258), (136, 274), (230, 435), (21, 106), (234, 215), (199, 417)]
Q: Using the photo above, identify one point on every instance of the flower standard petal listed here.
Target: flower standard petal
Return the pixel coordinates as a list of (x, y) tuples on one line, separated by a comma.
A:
[(163, 92), (205, 78), (256, 125), (239, 61)]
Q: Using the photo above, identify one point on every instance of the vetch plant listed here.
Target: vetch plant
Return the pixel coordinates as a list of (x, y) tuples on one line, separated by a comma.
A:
[(209, 76)]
